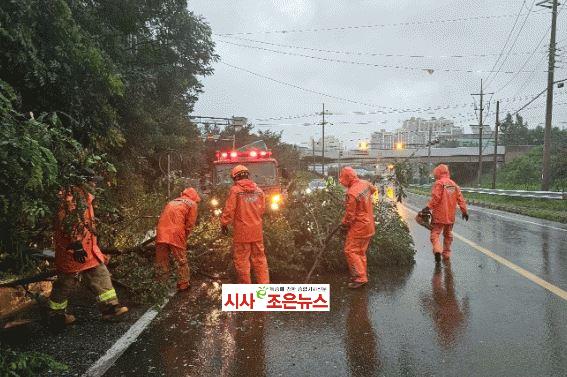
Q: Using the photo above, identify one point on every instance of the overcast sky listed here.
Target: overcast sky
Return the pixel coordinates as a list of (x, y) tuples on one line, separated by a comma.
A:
[(367, 90)]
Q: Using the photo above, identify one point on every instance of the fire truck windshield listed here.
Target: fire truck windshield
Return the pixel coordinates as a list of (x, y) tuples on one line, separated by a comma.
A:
[(263, 173)]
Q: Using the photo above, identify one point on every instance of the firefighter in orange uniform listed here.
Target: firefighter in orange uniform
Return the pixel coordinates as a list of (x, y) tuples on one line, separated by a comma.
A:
[(358, 224), (174, 226), (78, 257), (445, 195), (244, 209)]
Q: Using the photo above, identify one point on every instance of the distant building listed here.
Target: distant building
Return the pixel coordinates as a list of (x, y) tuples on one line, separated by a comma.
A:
[(415, 132), (382, 140), (472, 139), (332, 144)]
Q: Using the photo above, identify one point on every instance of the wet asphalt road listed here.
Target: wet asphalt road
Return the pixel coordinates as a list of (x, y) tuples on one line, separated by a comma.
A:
[(474, 317)]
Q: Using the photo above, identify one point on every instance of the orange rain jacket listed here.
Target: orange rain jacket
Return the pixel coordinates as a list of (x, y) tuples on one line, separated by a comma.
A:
[(445, 195), (82, 232), (178, 219), (359, 215), (244, 209)]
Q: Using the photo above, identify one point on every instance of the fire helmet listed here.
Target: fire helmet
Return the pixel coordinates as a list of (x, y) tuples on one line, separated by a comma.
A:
[(239, 170)]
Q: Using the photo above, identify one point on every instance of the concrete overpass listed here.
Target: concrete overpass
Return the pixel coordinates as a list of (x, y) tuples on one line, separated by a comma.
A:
[(462, 160), (438, 155)]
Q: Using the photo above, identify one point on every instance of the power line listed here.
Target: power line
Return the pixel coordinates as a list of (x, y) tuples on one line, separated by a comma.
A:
[(508, 38), (301, 88), (373, 65), (512, 79), (287, 117), (383, 109), (355, 27), (374, 54), (392, 110), (530, 78), (513, 44)]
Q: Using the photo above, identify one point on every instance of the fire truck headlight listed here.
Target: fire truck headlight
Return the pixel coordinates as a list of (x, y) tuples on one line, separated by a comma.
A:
[(276, 199), (214, 202), (274, 206), (217, 212)]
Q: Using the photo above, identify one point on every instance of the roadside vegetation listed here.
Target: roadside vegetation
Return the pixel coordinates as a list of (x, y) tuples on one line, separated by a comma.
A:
[(27, 364), (524, 173)]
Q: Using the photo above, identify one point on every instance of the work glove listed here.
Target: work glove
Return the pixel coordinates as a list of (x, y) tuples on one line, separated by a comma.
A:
[(343, 229), (79, 253), (426, 211), (465, 216), (224, 230)]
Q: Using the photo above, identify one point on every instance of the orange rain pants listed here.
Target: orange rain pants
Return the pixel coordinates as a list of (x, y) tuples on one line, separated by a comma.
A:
[(447, 230), (162, 263), (250, 254), (355, 253)]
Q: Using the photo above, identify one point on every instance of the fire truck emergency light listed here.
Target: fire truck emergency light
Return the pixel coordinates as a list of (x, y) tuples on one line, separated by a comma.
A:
[(235, 154)]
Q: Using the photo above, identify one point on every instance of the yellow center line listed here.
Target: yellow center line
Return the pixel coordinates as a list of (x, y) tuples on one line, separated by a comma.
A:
[(528, 275)]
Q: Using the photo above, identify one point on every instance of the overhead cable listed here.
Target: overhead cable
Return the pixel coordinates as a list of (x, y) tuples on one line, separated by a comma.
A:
[(427, 69), (372, 26)]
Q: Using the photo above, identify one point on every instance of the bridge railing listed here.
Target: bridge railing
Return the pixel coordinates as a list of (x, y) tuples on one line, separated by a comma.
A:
[(556, 195)]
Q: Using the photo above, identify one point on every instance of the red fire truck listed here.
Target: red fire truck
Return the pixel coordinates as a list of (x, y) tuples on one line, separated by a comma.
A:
[(262, 166)]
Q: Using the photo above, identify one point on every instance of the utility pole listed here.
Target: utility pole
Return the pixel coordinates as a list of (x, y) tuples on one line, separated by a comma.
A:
[(496, 143), (545, 179), (480, 126)]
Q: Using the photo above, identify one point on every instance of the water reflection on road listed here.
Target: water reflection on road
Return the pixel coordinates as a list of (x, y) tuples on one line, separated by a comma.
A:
[(361, 341), (449, 315)]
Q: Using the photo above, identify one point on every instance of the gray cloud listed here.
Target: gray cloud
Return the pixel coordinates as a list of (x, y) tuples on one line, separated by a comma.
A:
[(233, 92)]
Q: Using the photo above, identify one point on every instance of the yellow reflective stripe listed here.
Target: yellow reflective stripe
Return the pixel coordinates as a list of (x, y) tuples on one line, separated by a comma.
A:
[(57, 306), (106, 296)]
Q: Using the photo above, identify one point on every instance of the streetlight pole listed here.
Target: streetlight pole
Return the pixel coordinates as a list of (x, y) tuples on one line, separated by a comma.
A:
[(323, 143), (168, 175), (496, 143), (313, 159), (480, 136), (339, 170), (429, 150)]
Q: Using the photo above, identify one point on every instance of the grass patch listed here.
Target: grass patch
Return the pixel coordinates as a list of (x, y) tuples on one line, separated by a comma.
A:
[(555, 210)]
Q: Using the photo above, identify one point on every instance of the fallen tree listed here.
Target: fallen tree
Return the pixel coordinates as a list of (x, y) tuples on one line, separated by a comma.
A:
[(300, 238)]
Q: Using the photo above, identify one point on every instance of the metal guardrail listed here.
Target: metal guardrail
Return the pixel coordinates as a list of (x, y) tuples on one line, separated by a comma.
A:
[(556, 195)]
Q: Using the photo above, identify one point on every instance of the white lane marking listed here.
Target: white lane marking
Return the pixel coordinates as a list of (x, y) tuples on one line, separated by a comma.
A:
[(525, 273), (481, 209), (100, 367)]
